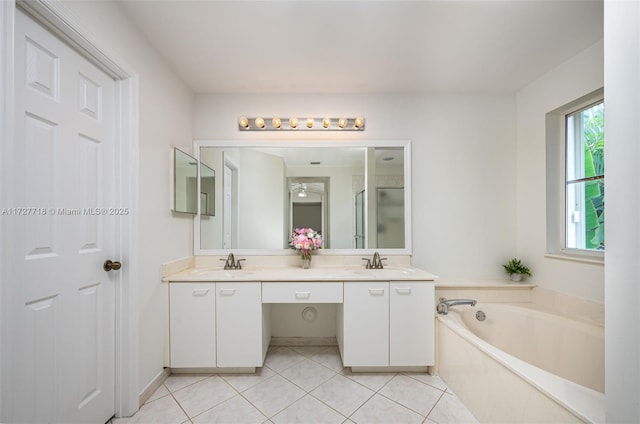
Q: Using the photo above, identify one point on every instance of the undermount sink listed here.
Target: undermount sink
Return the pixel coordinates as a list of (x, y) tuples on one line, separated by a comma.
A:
[(386, 270), (218, 273)]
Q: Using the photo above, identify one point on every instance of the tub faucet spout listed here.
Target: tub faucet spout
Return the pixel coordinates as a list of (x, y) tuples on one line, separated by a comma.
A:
[(445, 304)]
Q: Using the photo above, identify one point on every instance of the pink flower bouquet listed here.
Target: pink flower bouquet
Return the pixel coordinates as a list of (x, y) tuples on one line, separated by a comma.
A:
[(305, 240)]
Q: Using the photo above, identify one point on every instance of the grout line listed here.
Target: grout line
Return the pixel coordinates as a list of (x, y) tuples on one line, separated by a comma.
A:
[(363, 404), (434, 406), (406, 407), (180, 406), (257, 409), (206, 376), (327, 405), (420, 381), (218, 404)]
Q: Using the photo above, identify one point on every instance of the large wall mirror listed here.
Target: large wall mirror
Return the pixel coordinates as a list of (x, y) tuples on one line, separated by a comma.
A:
[(355, 193)]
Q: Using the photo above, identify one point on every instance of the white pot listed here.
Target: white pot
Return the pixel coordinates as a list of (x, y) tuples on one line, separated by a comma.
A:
[(516, 277)]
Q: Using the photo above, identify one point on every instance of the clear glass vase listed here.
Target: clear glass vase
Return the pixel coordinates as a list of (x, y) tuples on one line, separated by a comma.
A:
[(305, 260)]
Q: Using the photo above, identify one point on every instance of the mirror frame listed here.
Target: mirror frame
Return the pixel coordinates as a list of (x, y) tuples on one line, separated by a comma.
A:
[(406, 144)]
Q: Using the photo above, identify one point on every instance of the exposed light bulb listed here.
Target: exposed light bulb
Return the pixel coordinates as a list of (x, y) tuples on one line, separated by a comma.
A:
[(293, 122), (302, 194), (359, 123), (276, 122), (309, 122), (326, 122), (342, 122), (243, 122), (259, 122)]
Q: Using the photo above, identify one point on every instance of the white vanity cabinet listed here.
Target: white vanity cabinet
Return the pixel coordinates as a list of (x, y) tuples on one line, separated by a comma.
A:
[(239, 324), (365, 316), (217, 325), (411, 324), (387, 324), (192, 325)]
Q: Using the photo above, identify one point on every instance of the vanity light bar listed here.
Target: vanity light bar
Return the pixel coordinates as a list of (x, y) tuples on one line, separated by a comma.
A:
[(300, 124)]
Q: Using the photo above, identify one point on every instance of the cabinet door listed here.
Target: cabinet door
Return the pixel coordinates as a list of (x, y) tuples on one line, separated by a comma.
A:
[(411, 325), (192, 328), (239, 324), (366, 324)]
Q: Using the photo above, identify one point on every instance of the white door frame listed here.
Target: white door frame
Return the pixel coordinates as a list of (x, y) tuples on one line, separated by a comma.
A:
[(58, 18)]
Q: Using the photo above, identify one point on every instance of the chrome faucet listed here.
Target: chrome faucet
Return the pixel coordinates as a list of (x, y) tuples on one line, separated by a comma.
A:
[(232, 263), (445, 304), (375, 263)]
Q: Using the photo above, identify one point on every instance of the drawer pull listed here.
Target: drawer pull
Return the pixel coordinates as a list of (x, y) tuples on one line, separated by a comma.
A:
[(403, 290), (376, 292), (303, 295), (200, 292), (227, 292)]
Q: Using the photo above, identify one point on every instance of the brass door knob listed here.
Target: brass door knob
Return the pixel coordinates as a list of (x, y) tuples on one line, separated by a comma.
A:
[(111, 265)]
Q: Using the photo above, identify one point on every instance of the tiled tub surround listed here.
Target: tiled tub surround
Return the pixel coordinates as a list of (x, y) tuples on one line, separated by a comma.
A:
[(499, 387)]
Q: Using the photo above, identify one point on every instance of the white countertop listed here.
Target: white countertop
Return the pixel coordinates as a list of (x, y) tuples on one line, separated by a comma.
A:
[(390, 273)]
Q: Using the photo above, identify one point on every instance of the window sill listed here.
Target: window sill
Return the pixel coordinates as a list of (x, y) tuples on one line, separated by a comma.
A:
[(588, 259)]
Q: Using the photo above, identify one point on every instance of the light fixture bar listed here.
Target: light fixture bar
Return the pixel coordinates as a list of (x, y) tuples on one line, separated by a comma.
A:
[(259, 123)]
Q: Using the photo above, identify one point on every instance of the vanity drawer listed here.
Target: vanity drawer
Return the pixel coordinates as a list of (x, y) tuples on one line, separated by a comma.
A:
[(301, 292)]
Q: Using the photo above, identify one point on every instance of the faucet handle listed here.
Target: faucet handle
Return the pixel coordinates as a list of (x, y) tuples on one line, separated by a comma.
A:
[(239, 264), (368, 266)]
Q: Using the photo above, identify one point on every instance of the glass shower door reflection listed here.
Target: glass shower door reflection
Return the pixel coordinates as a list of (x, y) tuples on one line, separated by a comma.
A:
[(390, 218)]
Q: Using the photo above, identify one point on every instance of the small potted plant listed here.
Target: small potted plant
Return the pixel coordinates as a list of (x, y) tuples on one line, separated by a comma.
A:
[(516, 269)]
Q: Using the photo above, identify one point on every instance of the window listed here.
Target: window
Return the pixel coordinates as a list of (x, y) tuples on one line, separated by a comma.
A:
[(584, 178), (574, 172)]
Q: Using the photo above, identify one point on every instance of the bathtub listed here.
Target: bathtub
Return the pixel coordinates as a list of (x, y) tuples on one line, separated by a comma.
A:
[(522, 365)]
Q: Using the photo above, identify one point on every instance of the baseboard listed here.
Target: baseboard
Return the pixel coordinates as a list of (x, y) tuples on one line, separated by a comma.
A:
[(303, 341), (389, 369), (214, 370), (153, 386)]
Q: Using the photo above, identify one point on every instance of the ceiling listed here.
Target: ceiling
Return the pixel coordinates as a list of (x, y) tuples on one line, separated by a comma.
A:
[(328, 46)]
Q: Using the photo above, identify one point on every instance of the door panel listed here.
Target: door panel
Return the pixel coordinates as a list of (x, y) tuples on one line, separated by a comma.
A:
[(63, 303), (192, 325), (239, 324), (412, 324), (366, 324)]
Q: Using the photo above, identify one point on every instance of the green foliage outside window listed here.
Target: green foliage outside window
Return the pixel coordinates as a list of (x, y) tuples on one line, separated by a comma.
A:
[(593, 125)]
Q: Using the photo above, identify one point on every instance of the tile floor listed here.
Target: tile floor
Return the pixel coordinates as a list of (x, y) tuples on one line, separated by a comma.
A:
[(302, 385)]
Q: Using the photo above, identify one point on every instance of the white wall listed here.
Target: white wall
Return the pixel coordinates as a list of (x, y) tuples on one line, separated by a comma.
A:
[(463, 168), (622, 155), (261, 185), (575, 78), (165, 119)]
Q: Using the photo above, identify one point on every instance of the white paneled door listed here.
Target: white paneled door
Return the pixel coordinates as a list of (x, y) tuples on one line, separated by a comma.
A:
[(62, 301)]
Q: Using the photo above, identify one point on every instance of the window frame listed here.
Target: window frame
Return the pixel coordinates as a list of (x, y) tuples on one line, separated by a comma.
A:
[(556, 181)]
